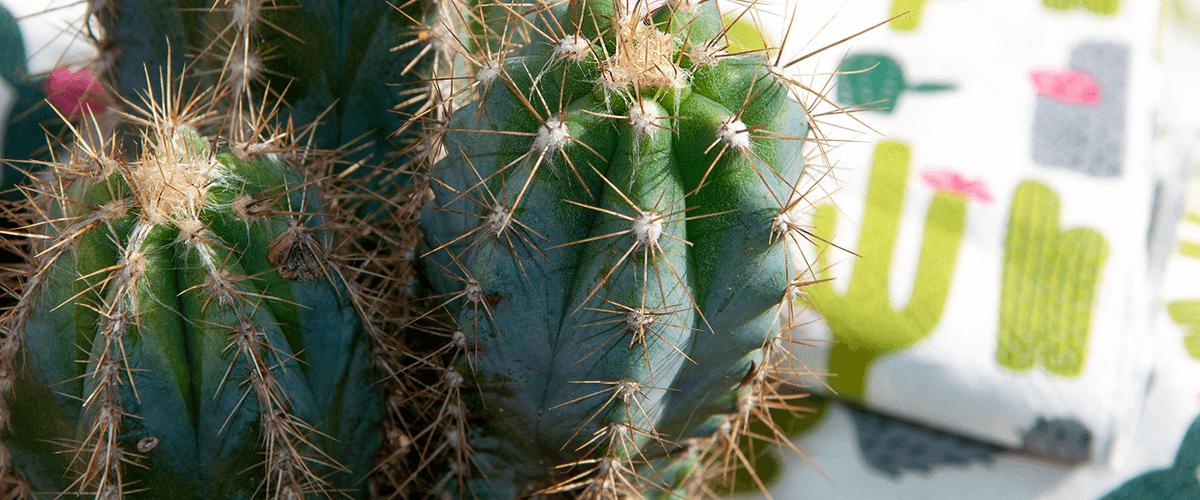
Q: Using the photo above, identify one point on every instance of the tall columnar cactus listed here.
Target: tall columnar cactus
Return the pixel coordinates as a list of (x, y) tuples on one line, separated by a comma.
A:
[(184, 330), (1098, 7), (353, 67), (864, 323), (610, 236), (876, 81), (1049, 286)]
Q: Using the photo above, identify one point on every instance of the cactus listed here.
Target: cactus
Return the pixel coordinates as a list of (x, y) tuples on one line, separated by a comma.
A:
[(876, 81), (1186, 313), (184, 330), (865, 325), (1098, 7), (1084, 131), (351, 70), (909, 12), (609, 238), (1176, 481), (1049, 286)]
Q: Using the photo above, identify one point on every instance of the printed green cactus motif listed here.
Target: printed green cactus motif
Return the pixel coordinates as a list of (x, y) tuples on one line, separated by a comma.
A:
[(1179, 481), (1049, 286), (1098, 7), (876, 81), (607, 236), (184, 332), (865, 325), (911, 18), (1186, 313)]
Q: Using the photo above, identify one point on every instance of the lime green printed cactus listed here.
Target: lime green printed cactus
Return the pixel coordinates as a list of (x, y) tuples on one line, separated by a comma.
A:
[(609, 234), (1098, 7), (865, 325), (1048, 286), (1186, 313), (183, 329), (909, 12)]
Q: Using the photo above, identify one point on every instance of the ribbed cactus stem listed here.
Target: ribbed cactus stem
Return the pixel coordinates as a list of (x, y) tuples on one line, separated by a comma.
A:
[(608, 234), (865, 325), (222, 354), (1051, 277)]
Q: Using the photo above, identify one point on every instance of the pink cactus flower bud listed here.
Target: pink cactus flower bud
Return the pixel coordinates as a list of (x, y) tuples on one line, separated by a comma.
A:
[(1068, 86), (75, 93), (949, 181)]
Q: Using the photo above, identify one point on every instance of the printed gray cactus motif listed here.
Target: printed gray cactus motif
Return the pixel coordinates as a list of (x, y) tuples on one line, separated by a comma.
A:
[(1087, 137)]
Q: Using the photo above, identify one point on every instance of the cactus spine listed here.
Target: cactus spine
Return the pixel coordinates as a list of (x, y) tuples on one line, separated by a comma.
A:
[(864, 323), (1049, 286), (609, 243)]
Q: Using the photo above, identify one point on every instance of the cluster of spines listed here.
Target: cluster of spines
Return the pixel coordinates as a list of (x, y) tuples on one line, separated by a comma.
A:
[(248, 121)]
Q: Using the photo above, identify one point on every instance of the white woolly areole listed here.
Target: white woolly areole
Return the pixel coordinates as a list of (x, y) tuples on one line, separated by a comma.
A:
[(701, 54), (573, 47), (171, 179), (644, 57), (733, 133), (553, 135), (488, 73), (641, 117), (638, 319), (498, 220), (647, 228), (473, 292), (245, 13), (453, 378), (783, 223), (458, 338)]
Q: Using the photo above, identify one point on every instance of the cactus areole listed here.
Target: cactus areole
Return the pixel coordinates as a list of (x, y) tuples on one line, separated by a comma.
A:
[(184, 335), (609, 234)]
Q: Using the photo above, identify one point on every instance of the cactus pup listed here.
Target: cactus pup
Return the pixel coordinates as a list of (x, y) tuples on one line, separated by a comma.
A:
[(611, 247)]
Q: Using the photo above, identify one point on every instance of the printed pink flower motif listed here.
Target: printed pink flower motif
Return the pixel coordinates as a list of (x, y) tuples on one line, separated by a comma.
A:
[(1070, 86), (74, 93), (949, 181)]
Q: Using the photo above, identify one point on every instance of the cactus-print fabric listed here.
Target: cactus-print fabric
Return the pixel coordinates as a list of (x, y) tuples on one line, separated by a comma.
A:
[(1057, 356), (36, 60), (997, 212)]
